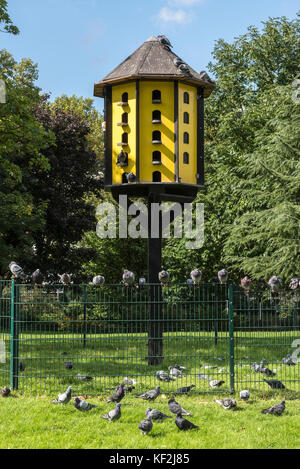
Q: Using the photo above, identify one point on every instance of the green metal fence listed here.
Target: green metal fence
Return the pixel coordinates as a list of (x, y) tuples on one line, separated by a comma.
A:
[(92, 337)]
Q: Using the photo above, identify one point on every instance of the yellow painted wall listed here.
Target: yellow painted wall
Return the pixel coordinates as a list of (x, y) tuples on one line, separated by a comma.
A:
[(117, 131), (187, 172), (167, 147)]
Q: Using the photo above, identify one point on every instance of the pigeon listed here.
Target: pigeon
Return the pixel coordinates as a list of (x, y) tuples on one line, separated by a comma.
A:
[(114, 414), (156, 414), (215, 383), (118, 395), (128, 389), (129, 381), (246, 283), (16, 270), (5, 392), (223, 276), (175, 372), (189, 282), (274, 383), (82, 405), (164, 41), (277, 409), (65, 279), (177, 61), (196, 276), (145, 426), (204, 76), (64, 398), (227, 403), (122, 159), (288, 360), (22, 366), (261, 283), (142, 282), (184, 424), (163, 376), (83, 377), (128, 278), (294, 283), (255, 367), (163, 277), (275, 283), (37, 277), (184, 68), (98, 280), (244, 395), (69, 365), (176, 408), (179, 367), (201, 376), (131, 177), (185, 389), (150, 395), (266, 371)]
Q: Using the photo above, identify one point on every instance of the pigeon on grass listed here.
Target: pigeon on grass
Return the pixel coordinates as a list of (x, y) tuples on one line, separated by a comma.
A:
[(129, 381), (186, 389), (5, 392), (227, 403), (114, 414), (83, 405), (215, 383), (266, 371), (184, 424), (274, 383), (156, 414), (145, 426), (64, 398), (277, 409), (81, 377), (162, 375), (69, 365), (150, 395), (176, 408), (118, 395), (245, 395)]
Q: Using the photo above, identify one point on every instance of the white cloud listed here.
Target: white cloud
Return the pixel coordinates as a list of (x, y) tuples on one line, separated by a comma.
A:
[(174, 16)]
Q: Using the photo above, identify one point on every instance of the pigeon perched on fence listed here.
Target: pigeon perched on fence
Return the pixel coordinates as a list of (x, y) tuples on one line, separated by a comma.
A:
[(83, 405), (118, 395), (186, 389), (176, 408), (163, 277), (65, 279), (98, 280), (37, 277), (246, 283), (150, 395), (128, 278), (184, 424), (274, 383), (114, 414), (162, 375), (227, 403), (189, 282), (223, 276), (245, 395), (175, 372), (215, 383), (16, 270), (145, 426), (156, 414), (142, 282), (69, 365), (81, 377), (5, 392), (196, 276), (275, 283), (294, 283), (164, 41), (277, 409), (64, 398)]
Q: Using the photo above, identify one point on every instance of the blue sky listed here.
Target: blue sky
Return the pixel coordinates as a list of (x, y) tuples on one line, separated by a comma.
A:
[(77, 42)]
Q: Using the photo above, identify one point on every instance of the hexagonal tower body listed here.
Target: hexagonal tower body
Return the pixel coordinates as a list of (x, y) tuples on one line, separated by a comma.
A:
[(154, 113)]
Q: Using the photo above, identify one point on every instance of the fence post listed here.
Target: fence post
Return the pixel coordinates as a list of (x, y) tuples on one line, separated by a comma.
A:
[(14, 339), (84, 315), (231, 338)]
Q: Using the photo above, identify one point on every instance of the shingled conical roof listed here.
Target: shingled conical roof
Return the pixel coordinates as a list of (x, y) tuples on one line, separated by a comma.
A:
[(153, 59)]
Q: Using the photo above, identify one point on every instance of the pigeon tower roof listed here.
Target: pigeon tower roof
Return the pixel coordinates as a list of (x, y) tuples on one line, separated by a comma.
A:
[(153, 60)]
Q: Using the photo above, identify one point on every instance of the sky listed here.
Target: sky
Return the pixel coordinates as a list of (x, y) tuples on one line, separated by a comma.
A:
[(75, 43)]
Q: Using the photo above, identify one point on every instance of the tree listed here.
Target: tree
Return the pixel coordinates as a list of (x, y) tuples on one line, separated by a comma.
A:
[(6, 24)]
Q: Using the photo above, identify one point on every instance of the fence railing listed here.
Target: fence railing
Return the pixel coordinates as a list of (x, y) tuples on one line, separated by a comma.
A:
[(92, 337)]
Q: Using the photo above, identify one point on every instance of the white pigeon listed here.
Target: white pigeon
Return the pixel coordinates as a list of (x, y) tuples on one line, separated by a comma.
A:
[(64, 398), (16, 270), (128, 278), (98, 280), (244, 395), (163, 277)]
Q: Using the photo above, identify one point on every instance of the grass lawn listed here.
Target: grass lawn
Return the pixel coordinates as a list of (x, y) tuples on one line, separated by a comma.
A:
[(34, 422)]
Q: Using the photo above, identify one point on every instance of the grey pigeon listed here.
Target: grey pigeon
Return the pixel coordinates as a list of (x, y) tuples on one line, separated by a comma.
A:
[(294, 283), (98, 280), (69, 365), (22, 366), (118, 395), (81, 377), (5, 392), (142, 282), (164, 41), (184, 68), (185, 390), (175, 372), (128, 278), (277, 409), (204, 76), (196, 276), (255, 367), (227, 403), (122, 159), (244, 395), (189, 282), (128, 389), (201, 376), (129, 381), (274, 383), (176, 408), (246, 283), (150, 395), (145, 426), (156, 414), (215, 383), (114, 414), (179, 367), (177, 61), (16, 270), (65, 279), (275, 283), (64, 398), (184, 424), (288, 361), (83, 405), (131, 177), (161, 375), (223, 276), (37, 277), (266, 371), (163, 277)]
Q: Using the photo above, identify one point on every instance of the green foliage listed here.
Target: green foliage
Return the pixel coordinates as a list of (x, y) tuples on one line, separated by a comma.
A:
[(5, 20)]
